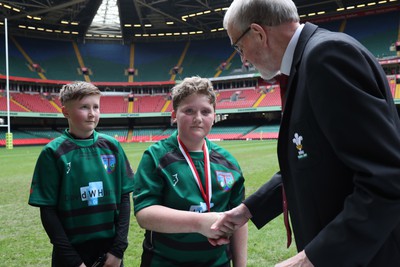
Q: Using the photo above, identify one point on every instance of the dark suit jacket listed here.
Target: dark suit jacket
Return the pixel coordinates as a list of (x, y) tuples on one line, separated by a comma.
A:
[(339, 155)]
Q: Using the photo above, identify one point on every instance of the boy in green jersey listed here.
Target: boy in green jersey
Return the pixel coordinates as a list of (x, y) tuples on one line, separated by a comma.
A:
[(82, 181), (183, 182)]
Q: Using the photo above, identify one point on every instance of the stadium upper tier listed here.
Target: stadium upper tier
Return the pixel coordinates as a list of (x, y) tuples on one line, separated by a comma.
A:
[(226, 99), (262, 95), (164, 61)]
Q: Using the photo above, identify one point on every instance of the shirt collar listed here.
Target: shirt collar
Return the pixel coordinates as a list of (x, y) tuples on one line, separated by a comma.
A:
[(289, 52)]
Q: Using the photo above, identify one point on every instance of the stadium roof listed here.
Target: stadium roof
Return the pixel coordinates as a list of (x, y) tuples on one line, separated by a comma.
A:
[(131, 20)]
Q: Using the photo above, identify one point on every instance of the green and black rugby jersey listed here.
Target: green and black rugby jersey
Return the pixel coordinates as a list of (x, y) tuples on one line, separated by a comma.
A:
[(164, 178), (84, 180)]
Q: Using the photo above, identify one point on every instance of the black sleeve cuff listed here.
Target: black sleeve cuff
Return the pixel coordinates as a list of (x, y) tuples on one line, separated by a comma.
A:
[(121, 239), (54, 229), (266, 203)]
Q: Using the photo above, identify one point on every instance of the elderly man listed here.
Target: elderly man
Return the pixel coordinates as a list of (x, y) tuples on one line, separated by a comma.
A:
[(339, 141)]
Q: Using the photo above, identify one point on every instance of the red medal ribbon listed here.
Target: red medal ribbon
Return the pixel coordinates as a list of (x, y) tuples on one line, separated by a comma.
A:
[(206, 194)]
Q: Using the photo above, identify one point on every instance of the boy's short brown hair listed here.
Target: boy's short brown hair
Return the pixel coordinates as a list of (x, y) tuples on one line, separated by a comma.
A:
[(76, 91), (190, 86)]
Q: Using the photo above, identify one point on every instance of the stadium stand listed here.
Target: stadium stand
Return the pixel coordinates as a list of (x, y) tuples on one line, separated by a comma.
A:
[(118, 133), (13, 106), (229, 132), (153, 62), (151, 103), (272, 96), (56, 58), (39, 136), (238, 98), (263, 132), (30, 136), (153, 56), (114, 104), (147, 134), (18, 65), (46, 133), (106, 62), (204, 56), (379, 34), (34, 102)]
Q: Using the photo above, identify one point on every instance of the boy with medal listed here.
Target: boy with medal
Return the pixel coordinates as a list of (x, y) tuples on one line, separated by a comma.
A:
[(183, 182)]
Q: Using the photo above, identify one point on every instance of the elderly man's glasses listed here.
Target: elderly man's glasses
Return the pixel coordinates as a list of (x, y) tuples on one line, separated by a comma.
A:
[(235, 46)]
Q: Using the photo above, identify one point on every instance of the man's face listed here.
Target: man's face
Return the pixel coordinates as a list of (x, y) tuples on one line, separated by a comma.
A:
[(254, 47)]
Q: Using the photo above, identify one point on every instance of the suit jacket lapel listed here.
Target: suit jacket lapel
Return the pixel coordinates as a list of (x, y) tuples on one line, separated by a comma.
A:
[(305, 35)]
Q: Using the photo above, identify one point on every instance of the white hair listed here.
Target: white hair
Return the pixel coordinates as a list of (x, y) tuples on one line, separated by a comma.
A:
[(242, 13)]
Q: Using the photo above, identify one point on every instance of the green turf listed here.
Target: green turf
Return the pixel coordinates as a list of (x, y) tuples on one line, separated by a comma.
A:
[(23, 242)]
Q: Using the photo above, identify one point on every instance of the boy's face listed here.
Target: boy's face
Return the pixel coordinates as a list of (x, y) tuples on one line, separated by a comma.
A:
[(194, 117), (83, 115)]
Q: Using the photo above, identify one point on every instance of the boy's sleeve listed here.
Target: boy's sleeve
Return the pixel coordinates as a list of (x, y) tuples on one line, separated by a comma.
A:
[(127, 173), (238, 191), (121, 238), (45, 181), (54, 229), (147, 185)]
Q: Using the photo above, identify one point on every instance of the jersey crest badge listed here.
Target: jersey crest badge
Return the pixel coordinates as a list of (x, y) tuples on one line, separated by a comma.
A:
[(225, 180), (108, 162), (297, 141)]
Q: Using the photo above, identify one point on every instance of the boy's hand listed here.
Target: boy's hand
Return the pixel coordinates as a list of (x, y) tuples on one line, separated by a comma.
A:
[(112, 261)]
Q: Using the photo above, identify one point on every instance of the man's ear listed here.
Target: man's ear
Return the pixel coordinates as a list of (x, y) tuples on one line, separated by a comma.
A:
[(260, 31)]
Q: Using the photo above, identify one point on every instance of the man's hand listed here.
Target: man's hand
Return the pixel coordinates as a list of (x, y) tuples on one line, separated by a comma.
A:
[(299, 260)]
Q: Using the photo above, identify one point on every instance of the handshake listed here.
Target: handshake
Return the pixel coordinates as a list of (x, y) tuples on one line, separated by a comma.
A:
[(219, 227), (223, 226)]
